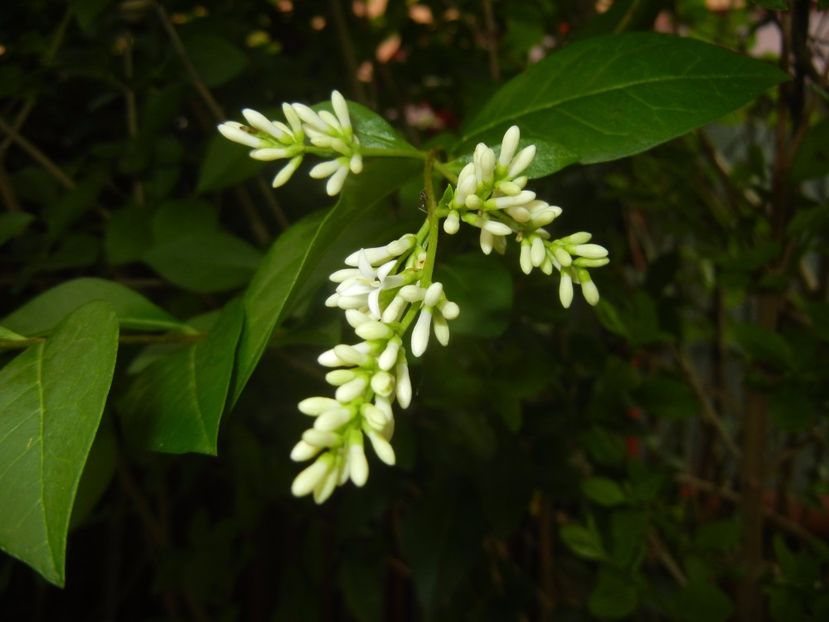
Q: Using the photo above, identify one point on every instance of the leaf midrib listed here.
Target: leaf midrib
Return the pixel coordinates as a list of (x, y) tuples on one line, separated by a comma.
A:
[(39, 349), (602, 91)]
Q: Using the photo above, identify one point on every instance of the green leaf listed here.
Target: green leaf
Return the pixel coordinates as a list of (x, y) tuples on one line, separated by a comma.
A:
[(482, 287), (41, 314), (13, 224), (603, 491), (51, 400), (127, 235), (175, 405), (772, 5), (216, 59), (701, 601), (666, 397), (614, 596), (9, 335), (583, 542), (763, 345), (205, 262), (174, 220), (610, 97), (296, 254), (225, 164), (812, 158)]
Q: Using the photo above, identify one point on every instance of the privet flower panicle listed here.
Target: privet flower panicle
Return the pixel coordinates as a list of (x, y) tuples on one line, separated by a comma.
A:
[(491, 195), (305, 130), (381, 289)]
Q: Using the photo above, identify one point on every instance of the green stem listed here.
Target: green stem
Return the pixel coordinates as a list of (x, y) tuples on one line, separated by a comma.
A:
[(415, 154), (19, 344), (441, 168)]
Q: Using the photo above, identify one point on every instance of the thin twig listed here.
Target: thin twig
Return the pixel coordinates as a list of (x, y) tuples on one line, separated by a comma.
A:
[(667, 560), (709, 413), (219, 115), (37, 155), (7, 191), (491, 41)]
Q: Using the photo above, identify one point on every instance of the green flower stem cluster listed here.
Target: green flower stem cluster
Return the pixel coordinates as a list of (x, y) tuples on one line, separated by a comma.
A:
[(387, 289)]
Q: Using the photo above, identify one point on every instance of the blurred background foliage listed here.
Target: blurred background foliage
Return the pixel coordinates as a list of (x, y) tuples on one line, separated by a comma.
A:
[(663, 457)]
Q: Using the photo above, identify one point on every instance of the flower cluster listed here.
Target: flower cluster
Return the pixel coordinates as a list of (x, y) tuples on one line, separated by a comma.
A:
[(491, 195), (381, 290), (305, 130)]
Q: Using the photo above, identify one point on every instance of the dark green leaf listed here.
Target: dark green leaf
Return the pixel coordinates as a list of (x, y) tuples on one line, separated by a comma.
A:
[(216, 59), (812, 158), (174, 220), (482, 287), (772, 5), (614, 596), (603, 491), (127, 235), (13, 224), (373, 130), (205, 262), (175, 405), (42, 313), (51, 400), (763, 345), (296, 254), (666, 397), (225, 164), (583, 542), (610, 97), (701, 601)]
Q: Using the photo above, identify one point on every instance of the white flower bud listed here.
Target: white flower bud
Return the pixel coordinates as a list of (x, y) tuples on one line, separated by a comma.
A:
[(538, 251), (336, 181), (521, 161), (590, 292), (310, 117), (374, 416), (509, 188), (389, 356), (450, 310), (452, 223), (314, 406), (394, 310), (326, 486), (441, 328), (523, 197), (382, 383), (525, 260), (582, 237), (355, 317), (562, 256), (331, 121), (271, 153), (329, 358), (497, 228), (289, 169), (565, 290), (340, 109), (373, 330), (261, 122), (584, 262), (519, 213), (381, 447), (350, 355), (303, 451), (336, 378), (293, 121), (319, 438), (404, 382), (357, 463), (351, 390), (473, 201), (236, 132), (486, 241), (333, 419), (411, 293), (355, 163), (308, 479), (591, 251), (508, 145), (325, 169), (420, 334), (433, 294)]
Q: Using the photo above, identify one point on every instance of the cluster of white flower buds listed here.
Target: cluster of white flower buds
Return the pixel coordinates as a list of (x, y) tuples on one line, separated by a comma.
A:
[(381, 290), (326, 133), (491, 195)]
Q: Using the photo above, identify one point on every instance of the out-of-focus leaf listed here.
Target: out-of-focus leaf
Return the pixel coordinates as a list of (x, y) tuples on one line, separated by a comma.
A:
[(127, 235), (603, 491), (205, 262), (13, 224), (666, 397), (51, 400), (43, 313), (225, 164), (615, 595), (175, 405), (174, 220), (609, 97), (296, 253), (584, 542), (87, 11), (216, 59), (812, 158), (763, 345), (482, 287), (700, 600)]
